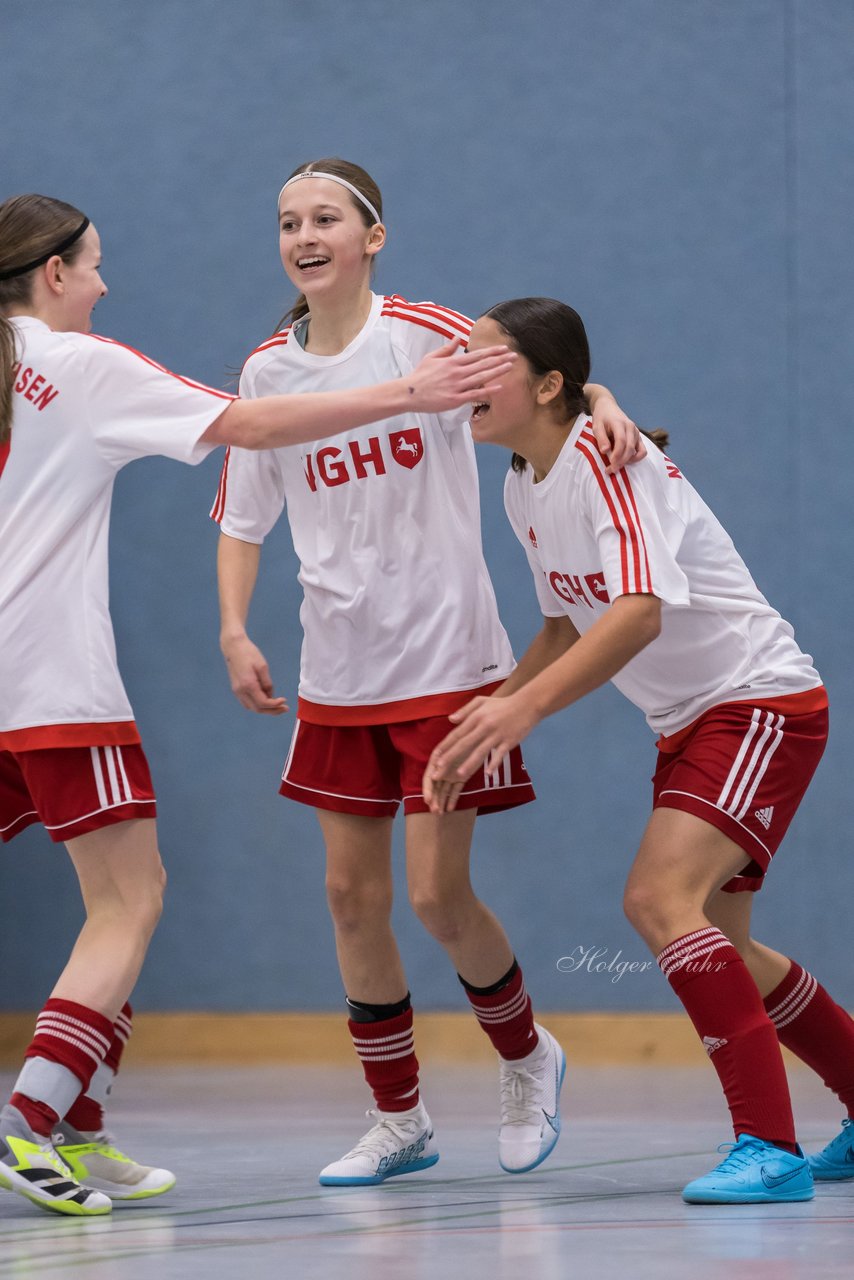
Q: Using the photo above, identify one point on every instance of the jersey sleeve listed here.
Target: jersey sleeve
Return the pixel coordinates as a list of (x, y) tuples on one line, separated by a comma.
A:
[(549, 607), (251, 493), (138, 409), (636, 529)]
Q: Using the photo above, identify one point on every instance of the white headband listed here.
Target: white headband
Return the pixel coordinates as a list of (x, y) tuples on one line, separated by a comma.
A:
[(333, 177)]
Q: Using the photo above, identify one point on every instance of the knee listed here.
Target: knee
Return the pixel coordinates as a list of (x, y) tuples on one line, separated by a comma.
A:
[(355, 905), (644, 909), (147, 906), (442, 914)]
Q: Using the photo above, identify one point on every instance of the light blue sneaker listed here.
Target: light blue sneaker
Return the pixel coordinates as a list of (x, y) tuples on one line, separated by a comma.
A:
[(836, 1162), (754, 1172)]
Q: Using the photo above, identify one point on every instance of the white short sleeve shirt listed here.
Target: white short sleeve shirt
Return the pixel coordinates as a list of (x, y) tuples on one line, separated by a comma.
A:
[(84, 406), (591, 538), (399, 615)]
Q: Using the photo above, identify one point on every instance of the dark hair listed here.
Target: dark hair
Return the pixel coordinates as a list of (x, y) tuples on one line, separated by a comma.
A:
[(550, 335), (29, 226), (357, 177)]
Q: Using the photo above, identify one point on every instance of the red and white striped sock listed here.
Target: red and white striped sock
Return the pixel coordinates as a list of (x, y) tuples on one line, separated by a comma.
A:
[(504, 1011), (86, 1113), (386, 1050), (723, 1002), (815, 1028), (70, 1041)]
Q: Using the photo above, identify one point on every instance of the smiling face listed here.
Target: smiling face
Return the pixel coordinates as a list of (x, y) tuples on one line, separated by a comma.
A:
[(80, 284), (505, 417), (324, 243)]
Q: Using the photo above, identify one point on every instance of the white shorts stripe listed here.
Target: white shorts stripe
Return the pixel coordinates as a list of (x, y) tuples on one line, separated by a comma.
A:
[(762, 766), (99, 776), (742, 752), (121, 766), (116, 795)]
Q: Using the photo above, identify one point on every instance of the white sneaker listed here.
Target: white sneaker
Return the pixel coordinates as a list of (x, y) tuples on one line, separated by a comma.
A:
[(96, 1162), (400, 1142), (530, 1112)]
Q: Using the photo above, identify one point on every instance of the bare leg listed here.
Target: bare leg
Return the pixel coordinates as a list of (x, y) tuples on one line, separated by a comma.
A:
[(122, 882), (360, 891), (437, 865)]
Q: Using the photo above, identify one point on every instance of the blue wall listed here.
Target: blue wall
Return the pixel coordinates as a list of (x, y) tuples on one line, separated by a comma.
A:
[(681, 171)]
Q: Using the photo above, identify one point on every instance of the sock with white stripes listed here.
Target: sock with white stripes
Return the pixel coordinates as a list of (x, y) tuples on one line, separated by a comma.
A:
[(723, 1002), (86, 1113), (815, 1028), (70, 1041), (383, 1039), (504, 1011)]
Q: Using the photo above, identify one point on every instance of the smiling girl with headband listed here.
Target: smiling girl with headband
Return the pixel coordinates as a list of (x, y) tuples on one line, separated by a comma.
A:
[(400, 628)]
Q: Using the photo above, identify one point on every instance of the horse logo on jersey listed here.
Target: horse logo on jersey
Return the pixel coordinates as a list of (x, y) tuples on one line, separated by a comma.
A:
[(407, 447)]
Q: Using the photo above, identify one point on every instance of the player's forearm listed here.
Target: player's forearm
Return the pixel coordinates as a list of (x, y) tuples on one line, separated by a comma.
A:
[(619, 635), (273, 421), (237, 571), (557, 635), (594, 391)]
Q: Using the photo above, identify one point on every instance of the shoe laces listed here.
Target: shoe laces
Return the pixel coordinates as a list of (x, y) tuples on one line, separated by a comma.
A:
[(50, 1153), (386, 1134), (740, 1155), (521, 1095), (842, 1141)]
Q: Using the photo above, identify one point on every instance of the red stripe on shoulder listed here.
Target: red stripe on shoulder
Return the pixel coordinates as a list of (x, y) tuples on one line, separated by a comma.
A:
[(440, 319), (4, 455), (620, 498), (188, 382), (218, 508), (595, 461), (276, 340)]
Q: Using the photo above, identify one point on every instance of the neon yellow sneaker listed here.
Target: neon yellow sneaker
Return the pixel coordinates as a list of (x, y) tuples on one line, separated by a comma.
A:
[(94, 1160), (30, 1166)]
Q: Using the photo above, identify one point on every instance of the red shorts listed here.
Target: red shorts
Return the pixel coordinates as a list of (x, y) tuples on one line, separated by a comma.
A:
[(73, 790), (744, 768), (369, 769)]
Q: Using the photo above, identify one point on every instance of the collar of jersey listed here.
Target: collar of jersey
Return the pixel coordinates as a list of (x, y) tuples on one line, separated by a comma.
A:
[(298, 353), (583, 420)]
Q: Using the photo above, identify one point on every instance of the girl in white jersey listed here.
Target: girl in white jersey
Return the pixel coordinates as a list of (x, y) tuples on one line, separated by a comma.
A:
[(74, 409), (400, 628), (641, 585)]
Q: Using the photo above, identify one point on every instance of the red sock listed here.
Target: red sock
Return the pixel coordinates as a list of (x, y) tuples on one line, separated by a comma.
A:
[(87, 1112), (72, 1036), (504, 1011), (386, 1050), (722, 1000), (816, 1029)]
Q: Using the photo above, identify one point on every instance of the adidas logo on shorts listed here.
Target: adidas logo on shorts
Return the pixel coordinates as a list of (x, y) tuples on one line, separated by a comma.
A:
[(765, 816)]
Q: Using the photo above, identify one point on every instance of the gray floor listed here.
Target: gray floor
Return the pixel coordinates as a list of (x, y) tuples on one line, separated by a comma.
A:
[(247, 1146)]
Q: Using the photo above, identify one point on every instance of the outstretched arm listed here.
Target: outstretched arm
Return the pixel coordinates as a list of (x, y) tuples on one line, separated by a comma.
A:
[(445, 379)]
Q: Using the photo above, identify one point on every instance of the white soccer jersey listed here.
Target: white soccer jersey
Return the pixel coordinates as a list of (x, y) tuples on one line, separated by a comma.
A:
[(84, 406), (591, 537), (398, 607)]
